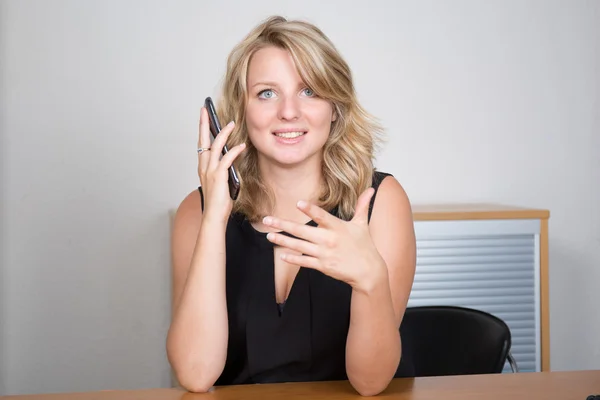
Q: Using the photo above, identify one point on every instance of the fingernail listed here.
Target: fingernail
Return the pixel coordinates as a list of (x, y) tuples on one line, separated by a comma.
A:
[(269, 236), (231, 123), (301, 204), (267, 220), (243, 145)]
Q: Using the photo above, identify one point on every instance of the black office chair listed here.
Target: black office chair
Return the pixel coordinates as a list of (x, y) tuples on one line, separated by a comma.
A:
[(449, 340)]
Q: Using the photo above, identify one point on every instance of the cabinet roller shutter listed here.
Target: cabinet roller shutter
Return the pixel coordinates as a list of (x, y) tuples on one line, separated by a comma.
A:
[(485, 265)]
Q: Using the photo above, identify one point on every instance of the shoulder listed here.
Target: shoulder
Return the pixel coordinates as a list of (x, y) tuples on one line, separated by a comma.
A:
[(390, 199), (380, 176), (191, 205), (188, 217), (389, 196)]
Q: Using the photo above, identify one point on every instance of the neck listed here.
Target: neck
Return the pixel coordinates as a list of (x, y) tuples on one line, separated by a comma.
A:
[(291, 185)]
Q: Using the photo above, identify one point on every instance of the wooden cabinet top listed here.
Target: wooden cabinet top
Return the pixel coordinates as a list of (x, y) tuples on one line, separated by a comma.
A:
[(466, 211)]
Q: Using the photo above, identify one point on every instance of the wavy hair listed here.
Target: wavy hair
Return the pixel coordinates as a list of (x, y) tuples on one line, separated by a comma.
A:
[(349, 150)]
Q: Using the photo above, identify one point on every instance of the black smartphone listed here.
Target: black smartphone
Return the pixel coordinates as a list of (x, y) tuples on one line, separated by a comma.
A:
[(215, 129)]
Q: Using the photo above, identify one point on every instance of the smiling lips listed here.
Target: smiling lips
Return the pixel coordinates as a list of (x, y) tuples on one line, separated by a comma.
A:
[(289, 134)]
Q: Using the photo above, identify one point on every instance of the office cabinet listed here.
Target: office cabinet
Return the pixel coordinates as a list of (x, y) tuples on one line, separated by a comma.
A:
[(492, 258)]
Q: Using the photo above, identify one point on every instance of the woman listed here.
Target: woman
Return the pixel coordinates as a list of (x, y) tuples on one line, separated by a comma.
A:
[(306, 275)]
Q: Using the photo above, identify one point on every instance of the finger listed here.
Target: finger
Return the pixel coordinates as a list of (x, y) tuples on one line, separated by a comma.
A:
[(302, 231), (317, 214), (361, 212), (299, 245), (231, 155), (302, 261), (218, 144), (203, 139), (204, 129)]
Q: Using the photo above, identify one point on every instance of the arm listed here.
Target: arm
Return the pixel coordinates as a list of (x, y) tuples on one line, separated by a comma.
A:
[(199, 331), (373, 349), (377, 260), (197, 338)]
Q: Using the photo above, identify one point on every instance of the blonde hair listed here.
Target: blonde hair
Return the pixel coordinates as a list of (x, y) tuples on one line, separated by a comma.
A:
[(349, 150)]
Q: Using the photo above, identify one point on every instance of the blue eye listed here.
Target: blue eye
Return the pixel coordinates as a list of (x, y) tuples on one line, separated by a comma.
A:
[(309, 92), (266, 94)]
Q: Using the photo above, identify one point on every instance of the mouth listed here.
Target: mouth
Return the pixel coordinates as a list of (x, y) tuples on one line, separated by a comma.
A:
[(289, 134)]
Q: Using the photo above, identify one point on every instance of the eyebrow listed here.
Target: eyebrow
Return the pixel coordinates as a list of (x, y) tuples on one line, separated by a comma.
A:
[(264, 84)]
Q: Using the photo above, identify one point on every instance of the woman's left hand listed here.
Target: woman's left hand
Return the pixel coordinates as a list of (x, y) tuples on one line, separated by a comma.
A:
[(340, 249)]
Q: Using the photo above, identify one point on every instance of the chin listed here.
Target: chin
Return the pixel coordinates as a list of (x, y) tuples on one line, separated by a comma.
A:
[(293, 160)]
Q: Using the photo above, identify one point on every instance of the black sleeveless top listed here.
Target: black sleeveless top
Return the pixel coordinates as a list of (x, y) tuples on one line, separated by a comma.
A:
[(305, 340)]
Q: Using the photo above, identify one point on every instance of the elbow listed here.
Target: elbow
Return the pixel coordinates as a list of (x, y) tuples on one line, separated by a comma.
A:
[(192, 377), (195, 383), (371, 382), (189, 374), (368, 389), (368, 392)]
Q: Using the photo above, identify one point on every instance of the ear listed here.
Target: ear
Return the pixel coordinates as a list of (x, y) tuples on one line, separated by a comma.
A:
[(334, 114)]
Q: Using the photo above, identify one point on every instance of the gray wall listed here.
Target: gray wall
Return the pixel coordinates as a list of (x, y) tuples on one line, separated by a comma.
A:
[(494, 101)]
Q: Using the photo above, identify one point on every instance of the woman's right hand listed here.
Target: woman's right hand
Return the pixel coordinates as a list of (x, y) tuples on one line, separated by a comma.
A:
[(213, 170)]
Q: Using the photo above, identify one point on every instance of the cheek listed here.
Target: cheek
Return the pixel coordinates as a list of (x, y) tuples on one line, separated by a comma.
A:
[(322, 112), (252, 119), (323, 117), (255, 125), (257, 117)]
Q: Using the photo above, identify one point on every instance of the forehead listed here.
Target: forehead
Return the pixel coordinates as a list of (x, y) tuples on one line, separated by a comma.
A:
[(273, 64)]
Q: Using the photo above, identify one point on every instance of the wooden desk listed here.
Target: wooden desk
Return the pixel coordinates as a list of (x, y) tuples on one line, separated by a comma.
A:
[(576, 385)]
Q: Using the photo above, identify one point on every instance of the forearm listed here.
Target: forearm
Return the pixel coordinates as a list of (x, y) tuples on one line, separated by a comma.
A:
[(197, 339), (373, 348)]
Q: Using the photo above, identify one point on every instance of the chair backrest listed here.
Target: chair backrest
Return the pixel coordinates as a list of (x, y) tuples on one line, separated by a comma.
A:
[(448, 340)]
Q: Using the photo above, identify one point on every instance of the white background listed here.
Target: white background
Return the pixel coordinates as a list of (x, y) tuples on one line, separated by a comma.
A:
[(494, 101)]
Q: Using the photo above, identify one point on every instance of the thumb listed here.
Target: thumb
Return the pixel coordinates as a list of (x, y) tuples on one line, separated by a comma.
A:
[(361, 213)]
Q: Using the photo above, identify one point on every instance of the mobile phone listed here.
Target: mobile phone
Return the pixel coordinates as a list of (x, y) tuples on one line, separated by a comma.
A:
[(215, 129)]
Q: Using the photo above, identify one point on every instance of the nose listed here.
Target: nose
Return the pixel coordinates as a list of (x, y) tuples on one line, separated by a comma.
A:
[(289, 108)]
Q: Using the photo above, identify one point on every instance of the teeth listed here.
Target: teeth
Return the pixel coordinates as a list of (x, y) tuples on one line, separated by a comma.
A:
[(289, 135)]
